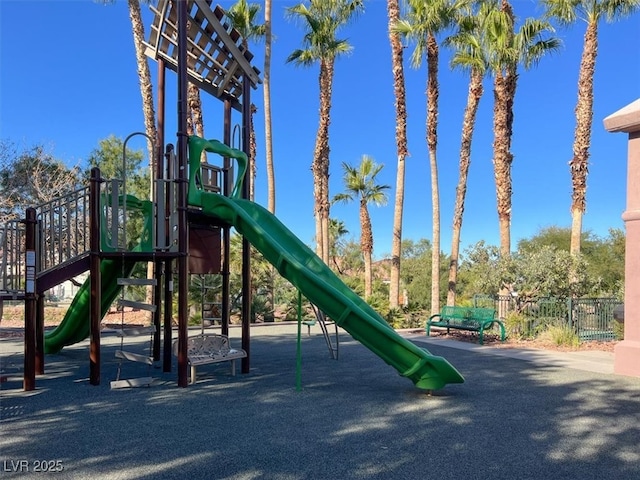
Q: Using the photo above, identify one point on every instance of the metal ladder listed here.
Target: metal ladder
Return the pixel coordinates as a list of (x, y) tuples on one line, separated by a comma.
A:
[(122, 354), (211, 306), (334, 349)]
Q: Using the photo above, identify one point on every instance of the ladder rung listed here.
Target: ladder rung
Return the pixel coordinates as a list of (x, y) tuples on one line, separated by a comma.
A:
[(137, 281), (139, 305), (134, 357), (133, 331), (132, 382)]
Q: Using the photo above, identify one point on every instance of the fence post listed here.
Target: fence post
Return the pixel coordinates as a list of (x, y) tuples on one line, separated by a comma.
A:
[(570, 312), (95, 315), (30, 299)]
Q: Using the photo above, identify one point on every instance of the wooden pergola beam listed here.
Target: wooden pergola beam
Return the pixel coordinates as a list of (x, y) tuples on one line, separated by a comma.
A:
[(217, 62)]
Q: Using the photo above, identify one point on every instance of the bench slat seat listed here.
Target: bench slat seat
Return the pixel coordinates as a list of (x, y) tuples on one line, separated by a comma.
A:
[(466, 318), (208, 348)]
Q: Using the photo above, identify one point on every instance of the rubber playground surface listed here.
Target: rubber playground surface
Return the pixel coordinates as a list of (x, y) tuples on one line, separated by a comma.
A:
[(519, 415)]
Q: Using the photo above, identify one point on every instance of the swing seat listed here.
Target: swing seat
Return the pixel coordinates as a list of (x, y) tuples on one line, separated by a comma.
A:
[(208, 348)]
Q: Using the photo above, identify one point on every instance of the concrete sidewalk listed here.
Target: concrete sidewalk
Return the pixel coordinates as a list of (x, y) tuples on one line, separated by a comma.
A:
[(588, 360)]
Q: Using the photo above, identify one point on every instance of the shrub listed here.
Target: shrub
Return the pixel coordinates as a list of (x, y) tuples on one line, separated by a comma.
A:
[(395, 318), (561, 336), (618, 330), (518, 325), (195, 319)]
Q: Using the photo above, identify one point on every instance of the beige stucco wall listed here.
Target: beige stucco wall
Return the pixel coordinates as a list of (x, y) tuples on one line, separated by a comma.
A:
[(627, 352)]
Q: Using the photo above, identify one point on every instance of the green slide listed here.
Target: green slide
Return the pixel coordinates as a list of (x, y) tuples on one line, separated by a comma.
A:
[(303, 268)]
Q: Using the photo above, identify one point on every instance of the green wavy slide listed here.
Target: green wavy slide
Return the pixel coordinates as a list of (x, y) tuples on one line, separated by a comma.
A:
[(311, 276), (304, 269)]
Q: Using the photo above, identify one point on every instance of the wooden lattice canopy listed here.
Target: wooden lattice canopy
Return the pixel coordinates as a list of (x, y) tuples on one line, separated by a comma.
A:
[(217, 61)]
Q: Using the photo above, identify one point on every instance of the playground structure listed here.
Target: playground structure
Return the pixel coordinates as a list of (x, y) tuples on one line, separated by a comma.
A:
[(186, 226)]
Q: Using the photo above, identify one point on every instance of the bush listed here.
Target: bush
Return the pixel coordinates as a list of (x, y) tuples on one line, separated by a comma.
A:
[(395, 318), (563, 336), (618, 330), (195, 320), (399, 318), (378, 302), (518, 325)]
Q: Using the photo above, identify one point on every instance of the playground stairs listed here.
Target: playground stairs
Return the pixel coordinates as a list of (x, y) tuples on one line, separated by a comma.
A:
[(332, 338), (138, 331)]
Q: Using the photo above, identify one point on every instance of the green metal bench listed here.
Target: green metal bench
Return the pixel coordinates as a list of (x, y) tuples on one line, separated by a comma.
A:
[(466, 318)]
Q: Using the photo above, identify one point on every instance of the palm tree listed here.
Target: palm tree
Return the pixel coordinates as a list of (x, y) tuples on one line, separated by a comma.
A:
[(469, 55), (423, 22), (243, 16), (195, 123), (266, 84), (337, 230), (507, 49), (144, 77), (567, 12), (393, 12), (322, 20), (360, 183)]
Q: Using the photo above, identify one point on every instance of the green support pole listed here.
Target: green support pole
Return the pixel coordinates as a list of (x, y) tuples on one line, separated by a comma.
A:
[(299, 346)]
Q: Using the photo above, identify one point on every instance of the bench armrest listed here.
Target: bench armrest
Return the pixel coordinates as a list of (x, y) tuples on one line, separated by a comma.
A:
[(432, 318)]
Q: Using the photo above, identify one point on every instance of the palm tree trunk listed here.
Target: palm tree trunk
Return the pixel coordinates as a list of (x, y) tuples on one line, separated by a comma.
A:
[(266, 82), (268, 138), (195, 107), (366, 246), (579, 164), (432, 143), (195, 124), (468, 124), (144, 76), (253, 148), (502, 159), (504, 93), (393, 11), (320, 165)]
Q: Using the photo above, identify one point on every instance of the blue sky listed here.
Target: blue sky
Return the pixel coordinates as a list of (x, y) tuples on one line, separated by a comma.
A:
[(68, 79)]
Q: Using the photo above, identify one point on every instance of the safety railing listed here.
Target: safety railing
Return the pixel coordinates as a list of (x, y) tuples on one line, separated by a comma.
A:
[(63, 224)]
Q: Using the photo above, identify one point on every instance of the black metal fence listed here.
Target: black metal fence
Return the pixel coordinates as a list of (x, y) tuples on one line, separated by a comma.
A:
[(591, 318)]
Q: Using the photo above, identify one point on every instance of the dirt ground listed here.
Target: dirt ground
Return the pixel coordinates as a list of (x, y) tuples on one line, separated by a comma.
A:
[(12, 324)]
